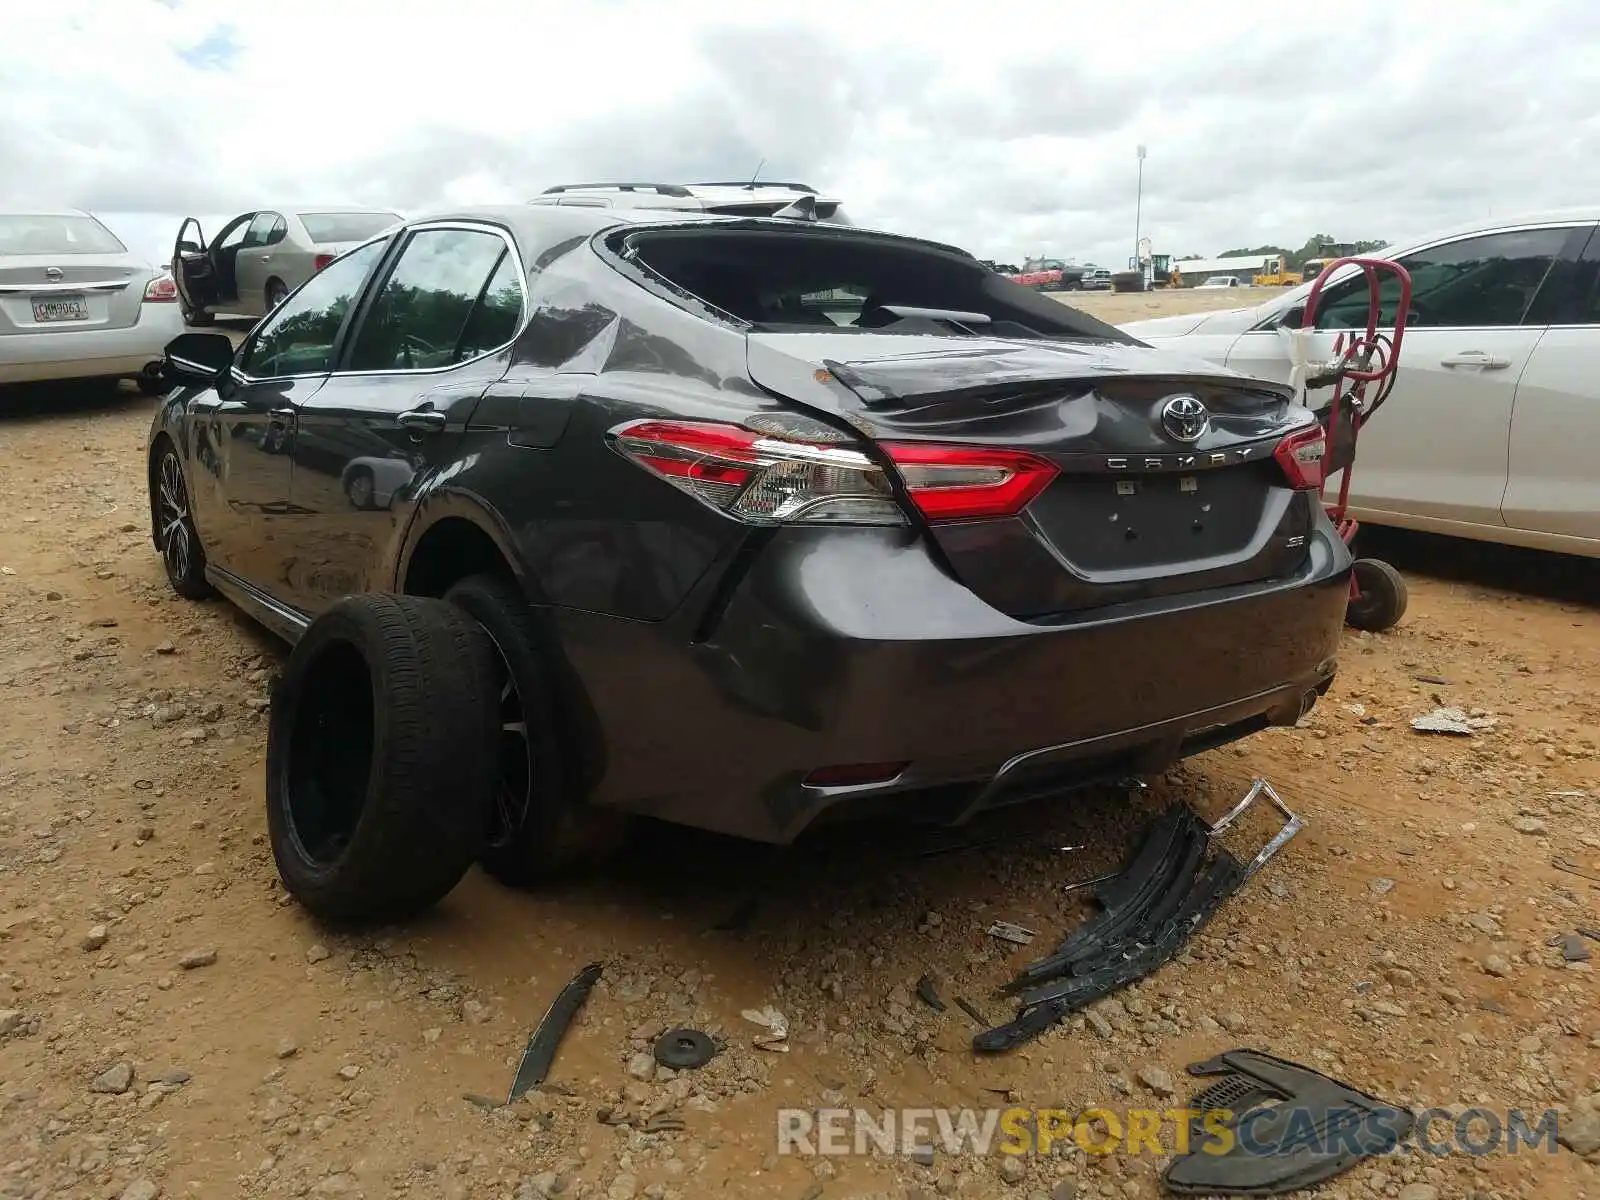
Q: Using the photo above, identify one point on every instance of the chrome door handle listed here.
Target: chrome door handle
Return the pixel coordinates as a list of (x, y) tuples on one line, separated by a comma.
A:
[(426, 419), (266, 258), (1474, 358)]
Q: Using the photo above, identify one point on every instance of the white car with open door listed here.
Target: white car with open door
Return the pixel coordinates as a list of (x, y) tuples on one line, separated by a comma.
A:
[(259, 257), (1493, 425), (76, 305)]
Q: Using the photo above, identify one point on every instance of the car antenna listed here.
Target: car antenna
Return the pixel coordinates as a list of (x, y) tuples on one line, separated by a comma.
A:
[(751, 186)]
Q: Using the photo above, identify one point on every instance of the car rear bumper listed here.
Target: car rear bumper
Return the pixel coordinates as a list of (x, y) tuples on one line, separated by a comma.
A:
[(846, 647), (61, 354)]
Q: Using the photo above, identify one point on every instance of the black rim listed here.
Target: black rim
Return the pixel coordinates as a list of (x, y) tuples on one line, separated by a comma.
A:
[(172, 515), (513, 797)]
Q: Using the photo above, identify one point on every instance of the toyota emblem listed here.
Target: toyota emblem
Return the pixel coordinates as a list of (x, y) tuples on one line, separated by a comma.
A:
[(1184, 418)]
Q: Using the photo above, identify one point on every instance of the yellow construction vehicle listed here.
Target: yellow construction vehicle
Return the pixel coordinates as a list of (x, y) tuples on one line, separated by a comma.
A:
[(1276, 273)]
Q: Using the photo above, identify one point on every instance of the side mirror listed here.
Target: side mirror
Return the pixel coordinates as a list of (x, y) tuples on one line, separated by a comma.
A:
[(1293, 317), (196, 359)]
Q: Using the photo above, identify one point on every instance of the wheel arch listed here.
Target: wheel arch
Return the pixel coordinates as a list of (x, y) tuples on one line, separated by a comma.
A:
[(451, 537), (454, 535)]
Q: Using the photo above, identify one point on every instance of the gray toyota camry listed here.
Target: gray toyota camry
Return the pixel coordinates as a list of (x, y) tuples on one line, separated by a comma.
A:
[(769, 520)]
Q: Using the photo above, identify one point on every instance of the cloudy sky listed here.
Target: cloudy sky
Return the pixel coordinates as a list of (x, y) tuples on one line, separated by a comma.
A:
[(1008, 129)]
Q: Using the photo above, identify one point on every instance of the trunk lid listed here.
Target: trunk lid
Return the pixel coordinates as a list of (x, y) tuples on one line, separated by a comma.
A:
[(42, 293), (1134, 512)]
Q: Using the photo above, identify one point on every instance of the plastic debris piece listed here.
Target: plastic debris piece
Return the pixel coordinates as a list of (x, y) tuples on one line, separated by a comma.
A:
[(540, 1052), (1315, 1128), (1453, 721), (1007, 932), (776, 1024)]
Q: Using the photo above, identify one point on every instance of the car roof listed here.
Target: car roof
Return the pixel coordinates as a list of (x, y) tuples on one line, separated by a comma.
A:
[(1583, 214), (539, 226), (329, 209), (719, 192), (12, 210)]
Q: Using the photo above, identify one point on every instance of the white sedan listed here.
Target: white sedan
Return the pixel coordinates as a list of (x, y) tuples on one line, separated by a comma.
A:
[(1492, 430), (74, 304)]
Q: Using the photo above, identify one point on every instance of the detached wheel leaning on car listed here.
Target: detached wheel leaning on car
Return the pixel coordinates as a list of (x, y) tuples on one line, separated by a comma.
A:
[(539, 824), (1382, 599), (381, 757), (182, 556)]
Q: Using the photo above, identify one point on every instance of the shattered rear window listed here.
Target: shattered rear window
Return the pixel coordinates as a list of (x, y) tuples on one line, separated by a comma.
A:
[(807, 277)]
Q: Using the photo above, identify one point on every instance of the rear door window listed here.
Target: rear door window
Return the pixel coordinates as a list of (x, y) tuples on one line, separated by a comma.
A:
[(260, 231), (452, 295), (1483, 282)]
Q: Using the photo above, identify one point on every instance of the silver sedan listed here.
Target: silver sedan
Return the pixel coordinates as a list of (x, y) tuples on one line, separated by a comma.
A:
[(74, 304), (259, 257)]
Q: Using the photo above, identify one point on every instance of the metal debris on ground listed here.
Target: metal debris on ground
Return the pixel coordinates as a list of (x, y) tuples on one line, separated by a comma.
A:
[(540, 1052), (1454, 721), (684, 1049), (1007, 932), (775, 1023), (1171, 887), (1315, 1128), (928, 993)]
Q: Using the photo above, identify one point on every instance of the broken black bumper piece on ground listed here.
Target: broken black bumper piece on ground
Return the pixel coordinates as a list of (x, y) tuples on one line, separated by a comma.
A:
[(1286, 1128), (540, 1053), (1173, 886)]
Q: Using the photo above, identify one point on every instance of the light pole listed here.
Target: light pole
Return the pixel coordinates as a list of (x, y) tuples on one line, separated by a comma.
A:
[(1138, 206)]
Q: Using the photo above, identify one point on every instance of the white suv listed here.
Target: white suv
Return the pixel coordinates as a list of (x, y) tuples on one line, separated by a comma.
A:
[(1492, 428), (728, 199)]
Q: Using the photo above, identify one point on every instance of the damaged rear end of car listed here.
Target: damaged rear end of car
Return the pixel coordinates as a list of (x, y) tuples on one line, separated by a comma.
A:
[(991, 547)]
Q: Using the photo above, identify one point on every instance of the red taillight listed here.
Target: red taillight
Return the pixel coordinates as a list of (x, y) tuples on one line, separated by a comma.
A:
[(321, 261), (1301, 456), (963, 483), (762, 478), (161, 290), (799, 476)]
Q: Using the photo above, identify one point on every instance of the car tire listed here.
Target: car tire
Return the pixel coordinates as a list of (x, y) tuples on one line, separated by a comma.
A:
[(172, 520), (540, 825), (1382, 599), (276, 293), (380, 757)]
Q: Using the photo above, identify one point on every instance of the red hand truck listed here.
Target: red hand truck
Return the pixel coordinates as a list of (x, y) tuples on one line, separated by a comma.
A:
[(1362, 359)]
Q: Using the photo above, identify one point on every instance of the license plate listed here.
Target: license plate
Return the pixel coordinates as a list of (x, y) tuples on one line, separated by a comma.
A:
[(50, 309)]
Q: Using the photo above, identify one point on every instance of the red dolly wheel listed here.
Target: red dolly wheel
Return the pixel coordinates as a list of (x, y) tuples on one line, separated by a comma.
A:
[(1381, 596)]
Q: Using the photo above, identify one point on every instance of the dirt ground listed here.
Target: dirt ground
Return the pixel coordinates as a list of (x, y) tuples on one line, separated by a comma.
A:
[(1118, 307), (172, 1025)]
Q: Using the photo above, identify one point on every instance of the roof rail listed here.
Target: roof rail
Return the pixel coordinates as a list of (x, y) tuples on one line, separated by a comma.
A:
[(752, 185), (665, 189)]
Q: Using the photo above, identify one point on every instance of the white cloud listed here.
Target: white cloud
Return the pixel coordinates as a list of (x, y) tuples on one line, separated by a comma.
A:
[(1008, 130)]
